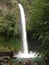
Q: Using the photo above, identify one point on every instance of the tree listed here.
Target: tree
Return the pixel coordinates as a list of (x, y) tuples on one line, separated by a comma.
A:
[(9, 31), (38, 25)]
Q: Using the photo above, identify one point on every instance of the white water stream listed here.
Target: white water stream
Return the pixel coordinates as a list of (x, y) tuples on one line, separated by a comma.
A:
[(25, 53), (24, 35)]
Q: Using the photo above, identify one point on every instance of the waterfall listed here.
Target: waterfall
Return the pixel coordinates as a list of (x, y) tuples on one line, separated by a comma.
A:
[(24, 35), (25, 53)]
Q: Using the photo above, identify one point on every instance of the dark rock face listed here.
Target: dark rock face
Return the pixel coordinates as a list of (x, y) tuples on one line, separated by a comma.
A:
[(6, 53)]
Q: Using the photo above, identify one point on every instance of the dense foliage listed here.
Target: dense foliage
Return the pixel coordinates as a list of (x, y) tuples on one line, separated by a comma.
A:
[(37, 20), (9, 32), (39, 23)]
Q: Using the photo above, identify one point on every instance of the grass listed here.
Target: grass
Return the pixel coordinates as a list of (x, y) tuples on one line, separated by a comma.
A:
[(13, 44)]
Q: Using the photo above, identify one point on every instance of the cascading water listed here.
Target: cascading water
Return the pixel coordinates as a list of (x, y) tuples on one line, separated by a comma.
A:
[(24, 36), (25, 53)]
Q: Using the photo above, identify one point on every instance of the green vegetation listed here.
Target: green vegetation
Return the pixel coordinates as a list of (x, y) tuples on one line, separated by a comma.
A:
[(9, 31), (37, 17), (38, 25)]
